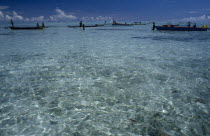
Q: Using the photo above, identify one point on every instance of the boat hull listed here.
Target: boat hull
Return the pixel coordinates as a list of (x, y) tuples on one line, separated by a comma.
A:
[(139, 24), (122, 24), (87, 26), (181, 28)]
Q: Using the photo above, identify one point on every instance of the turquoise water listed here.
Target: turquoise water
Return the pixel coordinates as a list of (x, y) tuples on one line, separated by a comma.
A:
[(104, 81)]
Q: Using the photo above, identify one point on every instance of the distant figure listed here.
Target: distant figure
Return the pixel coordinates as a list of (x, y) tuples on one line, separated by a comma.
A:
[(194, 25), (153, 27), (105, 22), (80, 24), (114, 22), (43, 24), (188, 24), (83, 26), (125, 22), (12, 23), (37, 25)]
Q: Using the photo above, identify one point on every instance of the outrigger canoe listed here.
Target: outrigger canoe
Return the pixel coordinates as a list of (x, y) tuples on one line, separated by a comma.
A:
[(26, 28), (178, 28)]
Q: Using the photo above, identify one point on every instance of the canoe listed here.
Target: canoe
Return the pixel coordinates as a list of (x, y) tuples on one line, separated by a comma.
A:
[(119, 24), (26, 28), (87, 26), (138, 23), (176, 28)]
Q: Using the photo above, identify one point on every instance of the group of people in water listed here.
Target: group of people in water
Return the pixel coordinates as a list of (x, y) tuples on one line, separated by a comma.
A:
[(37, 25), (189, 24)]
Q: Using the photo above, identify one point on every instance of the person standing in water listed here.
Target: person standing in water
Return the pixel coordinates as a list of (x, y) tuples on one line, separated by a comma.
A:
[(83, 26), (43, 25), (80, 24), (188, 24), (153, 27), (11, 21)]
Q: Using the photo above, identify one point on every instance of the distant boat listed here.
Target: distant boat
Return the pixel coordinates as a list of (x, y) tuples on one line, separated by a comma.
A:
[(119, 24), (138, 23), (96, 25), (179, 28), (26, 28)]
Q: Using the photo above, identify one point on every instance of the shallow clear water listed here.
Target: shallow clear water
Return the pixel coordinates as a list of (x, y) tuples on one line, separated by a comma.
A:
[(105, 81)]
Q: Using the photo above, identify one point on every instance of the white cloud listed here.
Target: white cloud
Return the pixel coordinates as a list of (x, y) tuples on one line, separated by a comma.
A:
[(52, 18), (87, 18), (203, 17), (193, 12), (103, 18), (27, 19), (7, 17), (39, 19), (16, 16), (98, 18), (1, 16), (3, 7), (61, 15)]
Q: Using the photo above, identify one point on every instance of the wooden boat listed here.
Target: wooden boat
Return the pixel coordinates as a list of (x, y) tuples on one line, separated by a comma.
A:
[(179, 28), (96, 25), (26, 28), (138, 23), (119, 24)]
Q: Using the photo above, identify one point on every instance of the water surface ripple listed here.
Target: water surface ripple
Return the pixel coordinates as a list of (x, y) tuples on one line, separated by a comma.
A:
[(127, 81)]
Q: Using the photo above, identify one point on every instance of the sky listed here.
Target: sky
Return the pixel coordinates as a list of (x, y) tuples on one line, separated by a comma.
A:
[(74, 10)]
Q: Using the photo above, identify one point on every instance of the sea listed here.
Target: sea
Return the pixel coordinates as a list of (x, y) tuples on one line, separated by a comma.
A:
[(104, 81)]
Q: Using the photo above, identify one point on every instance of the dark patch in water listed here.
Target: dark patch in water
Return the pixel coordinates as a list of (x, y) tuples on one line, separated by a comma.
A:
[(114, 29), (174, 91), (39, 54), (5, 34), (4, 73), (52, 122), (199, 100), (161, 38), (138, 37)]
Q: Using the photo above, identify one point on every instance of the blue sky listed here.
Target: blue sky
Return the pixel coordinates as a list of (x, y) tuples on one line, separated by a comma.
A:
[(60, 10)]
